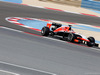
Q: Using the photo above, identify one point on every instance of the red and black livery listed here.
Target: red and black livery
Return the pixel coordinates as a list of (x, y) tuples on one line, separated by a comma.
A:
[(67, 34)]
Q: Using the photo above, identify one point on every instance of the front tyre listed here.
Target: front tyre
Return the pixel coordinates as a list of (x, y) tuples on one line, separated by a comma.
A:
[(45, 31), (92, 41)]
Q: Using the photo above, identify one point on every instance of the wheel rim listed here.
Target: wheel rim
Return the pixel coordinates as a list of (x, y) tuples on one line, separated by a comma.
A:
[(69, 37), (42, 31)]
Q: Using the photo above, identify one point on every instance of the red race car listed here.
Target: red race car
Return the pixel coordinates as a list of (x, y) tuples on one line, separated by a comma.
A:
[(67, 34)]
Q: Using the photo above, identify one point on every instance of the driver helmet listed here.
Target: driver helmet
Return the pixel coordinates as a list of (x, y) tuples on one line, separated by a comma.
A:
[(70, 27)]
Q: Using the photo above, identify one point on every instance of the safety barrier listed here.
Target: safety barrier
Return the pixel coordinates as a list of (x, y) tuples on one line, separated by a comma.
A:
[(91, 4)]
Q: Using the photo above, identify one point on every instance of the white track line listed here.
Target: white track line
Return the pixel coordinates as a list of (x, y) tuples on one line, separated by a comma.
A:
[(11, 29), (45, 37), (9, 72), (96, 49), (62, 10), (36, 6), (26, 68), (54, 39), (19, 65)]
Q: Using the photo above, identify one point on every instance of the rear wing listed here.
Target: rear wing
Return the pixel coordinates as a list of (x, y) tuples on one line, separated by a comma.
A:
[(49, 25), (53, 24)]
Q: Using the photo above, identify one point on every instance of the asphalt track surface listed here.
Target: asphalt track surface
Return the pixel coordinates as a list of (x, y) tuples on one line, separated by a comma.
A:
[(42, 53)]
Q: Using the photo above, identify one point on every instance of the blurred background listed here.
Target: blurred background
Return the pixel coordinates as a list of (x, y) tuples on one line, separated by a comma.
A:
[(90, 4)]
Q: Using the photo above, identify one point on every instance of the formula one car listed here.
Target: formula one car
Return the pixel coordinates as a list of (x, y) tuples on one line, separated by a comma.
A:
[(67, 34)]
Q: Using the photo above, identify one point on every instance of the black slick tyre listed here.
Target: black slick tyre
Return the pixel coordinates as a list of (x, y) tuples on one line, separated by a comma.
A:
[(64, 37), (45, 31), (92, 42), (71, 37)]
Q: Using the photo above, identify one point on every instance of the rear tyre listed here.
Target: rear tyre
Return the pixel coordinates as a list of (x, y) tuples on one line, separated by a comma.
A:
[(92, 41), (45, 31), (71, 37), (64, 37)]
